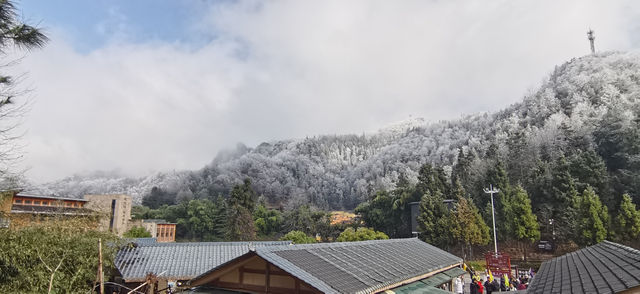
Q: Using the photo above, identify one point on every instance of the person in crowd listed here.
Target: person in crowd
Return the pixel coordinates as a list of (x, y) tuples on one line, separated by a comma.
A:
[(459, 285), (515, 283), (473, 287), (487, 287)]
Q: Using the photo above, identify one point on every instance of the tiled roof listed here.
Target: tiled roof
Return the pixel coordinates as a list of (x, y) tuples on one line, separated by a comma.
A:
[(428, 285), (418, 288), (22, 194), (606, 267), (144, 241), (155, 220), (180, 261), (359, 267)]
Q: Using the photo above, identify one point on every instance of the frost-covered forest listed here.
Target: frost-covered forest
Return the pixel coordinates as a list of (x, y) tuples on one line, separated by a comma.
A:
[(586, 114)]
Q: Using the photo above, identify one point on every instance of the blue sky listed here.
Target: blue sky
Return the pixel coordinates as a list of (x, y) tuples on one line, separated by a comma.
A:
[(141, 86), (92, 24)]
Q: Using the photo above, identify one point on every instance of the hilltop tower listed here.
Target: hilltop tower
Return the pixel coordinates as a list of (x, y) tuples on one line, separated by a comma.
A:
[(591, 38)]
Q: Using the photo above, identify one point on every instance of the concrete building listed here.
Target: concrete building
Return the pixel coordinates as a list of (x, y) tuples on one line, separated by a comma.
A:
[(114, 210), (160, 229)]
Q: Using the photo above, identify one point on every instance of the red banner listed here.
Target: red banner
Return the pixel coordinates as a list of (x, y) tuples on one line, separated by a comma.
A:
[(499, 264)]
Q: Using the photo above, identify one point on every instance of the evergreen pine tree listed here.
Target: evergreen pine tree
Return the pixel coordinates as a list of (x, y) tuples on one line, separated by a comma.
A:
[(434, 221), (240, 226), (592, 218), (402, 196), (563, 193), (432, 180), (524, 223), (467, 225), (627, 221), (588, 169)]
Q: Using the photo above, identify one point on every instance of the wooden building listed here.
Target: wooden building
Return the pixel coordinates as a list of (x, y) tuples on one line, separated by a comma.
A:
[(177, 262), (349, 267)]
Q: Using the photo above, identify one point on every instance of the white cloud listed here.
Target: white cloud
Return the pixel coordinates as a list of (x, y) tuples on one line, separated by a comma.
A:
[(287, 69)]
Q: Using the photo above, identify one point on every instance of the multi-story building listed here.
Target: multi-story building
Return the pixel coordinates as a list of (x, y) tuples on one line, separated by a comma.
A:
[(160, 229), (114, 210), (103, 212), (19, 209)]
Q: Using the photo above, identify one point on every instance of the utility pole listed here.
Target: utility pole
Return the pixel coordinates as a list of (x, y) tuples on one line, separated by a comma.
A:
[(591, 38), (100, 272), (492, 191)]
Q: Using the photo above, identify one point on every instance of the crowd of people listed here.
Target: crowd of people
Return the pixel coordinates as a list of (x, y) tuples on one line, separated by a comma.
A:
[(490, 284)]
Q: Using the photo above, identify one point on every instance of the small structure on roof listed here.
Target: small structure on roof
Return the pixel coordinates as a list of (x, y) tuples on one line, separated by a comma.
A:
[(348, 267), (176, 262), (606, 267)]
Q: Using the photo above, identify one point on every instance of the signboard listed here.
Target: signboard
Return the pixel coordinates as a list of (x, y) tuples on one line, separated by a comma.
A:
[(415, 211), (499, 264)]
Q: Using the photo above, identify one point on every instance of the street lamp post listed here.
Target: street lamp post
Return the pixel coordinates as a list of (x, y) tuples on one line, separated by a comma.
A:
[(492, 191)]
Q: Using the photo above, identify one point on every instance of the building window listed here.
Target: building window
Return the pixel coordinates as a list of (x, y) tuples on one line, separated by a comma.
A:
[(4, 222), (36, 202), (17, 201), (27, 202)]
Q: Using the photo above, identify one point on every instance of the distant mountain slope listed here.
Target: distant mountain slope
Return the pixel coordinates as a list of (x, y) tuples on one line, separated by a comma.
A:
[(341, 171)]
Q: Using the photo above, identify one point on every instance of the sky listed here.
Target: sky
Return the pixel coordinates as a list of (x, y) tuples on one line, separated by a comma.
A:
[(156, 85)]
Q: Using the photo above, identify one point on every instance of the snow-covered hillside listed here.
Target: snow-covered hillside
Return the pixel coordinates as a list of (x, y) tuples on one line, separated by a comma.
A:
[(341, 171)]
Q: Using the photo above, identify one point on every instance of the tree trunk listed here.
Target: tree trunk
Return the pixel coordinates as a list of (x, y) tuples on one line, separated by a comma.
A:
[(51, 281), (53, 273)]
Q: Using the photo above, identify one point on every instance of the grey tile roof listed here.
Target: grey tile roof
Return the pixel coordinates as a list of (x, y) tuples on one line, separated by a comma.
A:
[(428, 285), (23, 194), (180, 261), (358, 267), (144, 241), (606, 267), (418, 288)]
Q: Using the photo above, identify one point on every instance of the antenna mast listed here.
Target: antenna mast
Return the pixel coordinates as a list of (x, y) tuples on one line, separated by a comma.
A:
[(591, 38)]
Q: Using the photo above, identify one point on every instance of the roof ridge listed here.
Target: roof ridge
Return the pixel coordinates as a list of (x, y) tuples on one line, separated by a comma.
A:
[(606, 253), (348, 244), (620, 246), (233, 243)]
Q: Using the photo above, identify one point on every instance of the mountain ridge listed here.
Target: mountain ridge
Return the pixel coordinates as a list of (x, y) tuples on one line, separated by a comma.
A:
[(340, 171)]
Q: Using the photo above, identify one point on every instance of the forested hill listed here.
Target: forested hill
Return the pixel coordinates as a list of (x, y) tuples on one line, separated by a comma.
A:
[(587, 108)]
